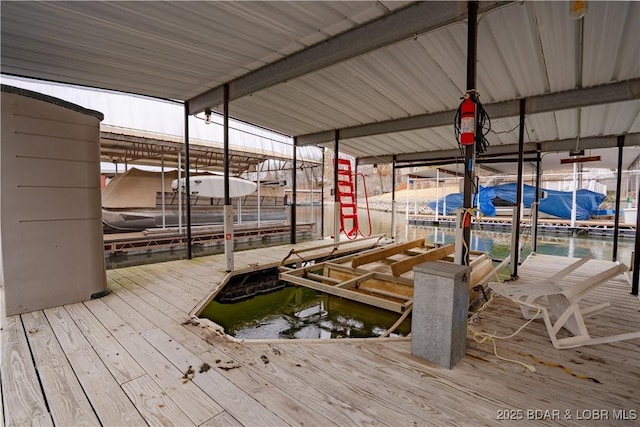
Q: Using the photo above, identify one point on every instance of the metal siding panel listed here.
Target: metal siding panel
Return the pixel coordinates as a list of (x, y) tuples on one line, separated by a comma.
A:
[(443, 137), (179, 49), (611, 119), (508, 67), (635, 126), (567, 123), (362, 147), (349, 91), (604, 31), (540, 127), (412, 78), (143, 47), (268, 114), (628, 59), (557, 34), (448, 49)]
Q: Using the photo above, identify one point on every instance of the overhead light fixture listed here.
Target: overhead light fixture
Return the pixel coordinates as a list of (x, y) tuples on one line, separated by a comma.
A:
[(207, 116), (578, 9)]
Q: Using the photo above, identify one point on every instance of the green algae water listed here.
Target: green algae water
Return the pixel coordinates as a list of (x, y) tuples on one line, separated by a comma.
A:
[(296, 312), (301, 313)]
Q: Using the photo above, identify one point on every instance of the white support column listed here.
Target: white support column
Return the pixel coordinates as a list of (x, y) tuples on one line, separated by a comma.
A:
[(394, 209), (164, 217), (228, 236), (415, 198), (637, 189), (336, 222), (313, 207), (406, 212), (258, 182), (179, 193), (437, 191), (444, 203), (574, 195)]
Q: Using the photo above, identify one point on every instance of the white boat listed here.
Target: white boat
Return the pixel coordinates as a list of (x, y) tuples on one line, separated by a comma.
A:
[(213, 186), (133, 201)]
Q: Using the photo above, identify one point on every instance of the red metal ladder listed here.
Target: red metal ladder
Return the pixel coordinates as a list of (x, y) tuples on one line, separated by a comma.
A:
[(347, 198)]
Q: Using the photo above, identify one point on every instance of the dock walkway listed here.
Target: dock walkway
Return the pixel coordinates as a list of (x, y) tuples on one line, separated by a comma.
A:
[(545, 225), (135, 357)]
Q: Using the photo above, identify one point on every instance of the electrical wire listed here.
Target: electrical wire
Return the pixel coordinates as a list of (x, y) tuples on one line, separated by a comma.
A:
[(506, 131)]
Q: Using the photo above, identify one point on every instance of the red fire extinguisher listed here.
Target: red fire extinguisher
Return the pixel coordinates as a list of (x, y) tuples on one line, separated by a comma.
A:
[(467, 120)]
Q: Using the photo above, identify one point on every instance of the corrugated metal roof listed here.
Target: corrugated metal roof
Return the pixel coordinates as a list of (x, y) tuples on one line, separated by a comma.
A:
[(165, 49), (524, 50), (182, 49)]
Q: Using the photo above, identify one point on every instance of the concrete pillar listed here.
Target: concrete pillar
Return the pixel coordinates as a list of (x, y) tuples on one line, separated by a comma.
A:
[(439, 318), (228, 236)]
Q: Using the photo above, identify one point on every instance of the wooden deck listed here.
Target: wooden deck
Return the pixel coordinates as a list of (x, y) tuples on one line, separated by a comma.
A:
[(135, 357)]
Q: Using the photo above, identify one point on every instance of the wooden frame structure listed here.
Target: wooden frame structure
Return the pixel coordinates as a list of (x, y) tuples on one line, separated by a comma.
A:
[(380, 277)]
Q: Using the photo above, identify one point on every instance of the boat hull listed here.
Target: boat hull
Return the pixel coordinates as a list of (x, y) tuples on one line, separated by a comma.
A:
[(142, 219)]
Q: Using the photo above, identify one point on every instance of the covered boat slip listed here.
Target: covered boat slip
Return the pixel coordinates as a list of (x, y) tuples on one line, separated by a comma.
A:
[(382, 277), (136, 356)]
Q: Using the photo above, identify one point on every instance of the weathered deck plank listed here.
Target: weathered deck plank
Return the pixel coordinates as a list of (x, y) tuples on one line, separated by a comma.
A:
[(198, 406), (223, 419), (233, 399), (68, 404), (120, 363), (143, 338), (111, 404), (301, 392), (22, 396), (430, 396), (154, 404)]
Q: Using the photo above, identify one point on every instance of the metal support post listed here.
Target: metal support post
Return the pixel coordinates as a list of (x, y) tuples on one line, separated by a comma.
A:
[(336, 197), (258, 167), (437, 190), (574, 196), (322, 195), (164, 214), (515, 249), (179, 192), (294, 184), (228, 207), (636, 259), (536, 211), (187, 177), (469, 151), (616, 220), (393, 198)]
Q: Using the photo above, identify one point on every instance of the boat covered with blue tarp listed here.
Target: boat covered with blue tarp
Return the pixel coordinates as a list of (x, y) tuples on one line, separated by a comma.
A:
[(555, 202)]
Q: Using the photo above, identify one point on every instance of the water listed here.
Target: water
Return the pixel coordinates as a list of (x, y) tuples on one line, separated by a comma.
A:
[(497, 244), (301, 313)]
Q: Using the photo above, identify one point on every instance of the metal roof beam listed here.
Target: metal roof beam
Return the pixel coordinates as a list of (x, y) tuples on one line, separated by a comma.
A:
[(595, 95), (399, 25), (588, 143)]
